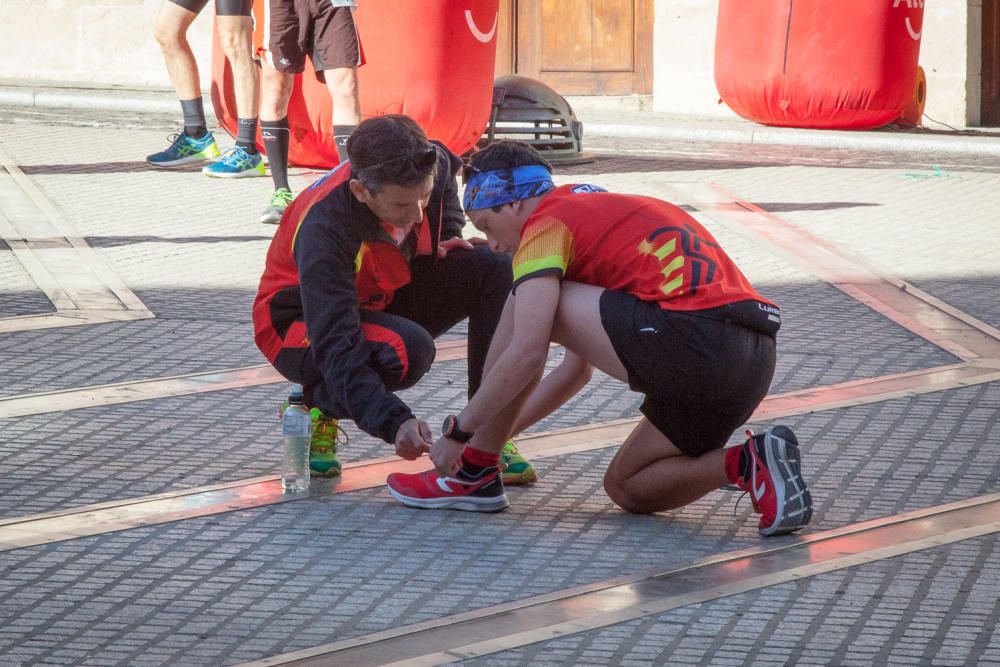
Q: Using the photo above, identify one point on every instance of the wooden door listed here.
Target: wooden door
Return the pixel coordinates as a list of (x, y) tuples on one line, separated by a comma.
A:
[(579, 47), (990, 112)]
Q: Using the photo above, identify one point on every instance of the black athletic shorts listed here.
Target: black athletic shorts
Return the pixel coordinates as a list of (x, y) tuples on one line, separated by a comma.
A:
[(314, 27), (703, 372), (222, 7)]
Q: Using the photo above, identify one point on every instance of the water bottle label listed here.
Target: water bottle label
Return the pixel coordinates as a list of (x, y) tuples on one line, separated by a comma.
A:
[(296, 425)]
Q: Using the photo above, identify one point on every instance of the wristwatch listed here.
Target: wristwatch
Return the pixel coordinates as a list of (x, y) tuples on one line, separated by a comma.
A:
[(451, 430)]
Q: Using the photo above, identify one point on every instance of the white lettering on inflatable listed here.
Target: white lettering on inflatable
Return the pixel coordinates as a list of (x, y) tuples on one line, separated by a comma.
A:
[(910, 4), (483, 37)]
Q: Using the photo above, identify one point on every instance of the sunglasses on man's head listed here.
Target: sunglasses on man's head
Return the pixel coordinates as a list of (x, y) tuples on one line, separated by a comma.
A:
[(419, 161)]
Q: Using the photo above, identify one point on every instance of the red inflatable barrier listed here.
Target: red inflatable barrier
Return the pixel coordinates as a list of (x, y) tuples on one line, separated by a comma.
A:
[(430, 60), (818, 63)]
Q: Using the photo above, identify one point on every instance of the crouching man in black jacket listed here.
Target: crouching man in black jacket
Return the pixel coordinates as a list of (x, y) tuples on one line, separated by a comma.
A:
[(367, 267)]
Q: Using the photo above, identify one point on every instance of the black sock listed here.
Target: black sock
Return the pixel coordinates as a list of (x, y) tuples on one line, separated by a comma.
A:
[(246, 134), (341, 133), (195, 125), (275, 134)]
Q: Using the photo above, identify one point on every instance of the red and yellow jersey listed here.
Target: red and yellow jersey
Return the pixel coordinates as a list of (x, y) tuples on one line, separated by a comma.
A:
[(639, 245)]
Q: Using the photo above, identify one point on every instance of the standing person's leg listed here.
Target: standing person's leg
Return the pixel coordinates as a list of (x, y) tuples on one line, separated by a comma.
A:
[(276, 91), (337, 54), (235, 26), (281, 58), (343, 86), (195, 143)]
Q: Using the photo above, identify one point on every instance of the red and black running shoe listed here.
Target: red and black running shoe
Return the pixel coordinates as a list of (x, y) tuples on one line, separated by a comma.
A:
[(774, 481), (479, 492)]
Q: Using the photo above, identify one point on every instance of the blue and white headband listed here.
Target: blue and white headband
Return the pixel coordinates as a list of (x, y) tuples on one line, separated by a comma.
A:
[(485, 189)]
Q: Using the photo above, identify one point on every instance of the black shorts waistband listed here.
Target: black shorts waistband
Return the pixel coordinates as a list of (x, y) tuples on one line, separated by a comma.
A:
[(752, 314)]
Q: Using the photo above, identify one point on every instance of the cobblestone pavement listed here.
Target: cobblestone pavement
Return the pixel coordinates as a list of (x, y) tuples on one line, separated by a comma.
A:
[(253, 583)]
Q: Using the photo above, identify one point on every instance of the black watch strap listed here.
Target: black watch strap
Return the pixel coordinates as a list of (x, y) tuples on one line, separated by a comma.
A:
[(451, 430)]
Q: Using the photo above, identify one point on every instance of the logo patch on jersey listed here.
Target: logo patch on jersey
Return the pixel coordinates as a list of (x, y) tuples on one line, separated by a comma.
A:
[(577, 189)]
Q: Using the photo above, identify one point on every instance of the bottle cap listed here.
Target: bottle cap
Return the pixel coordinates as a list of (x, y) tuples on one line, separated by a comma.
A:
[(296, 395)]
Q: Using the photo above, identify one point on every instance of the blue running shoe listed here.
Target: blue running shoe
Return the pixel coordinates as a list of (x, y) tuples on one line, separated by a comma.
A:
[(235, 163), (184, 150)]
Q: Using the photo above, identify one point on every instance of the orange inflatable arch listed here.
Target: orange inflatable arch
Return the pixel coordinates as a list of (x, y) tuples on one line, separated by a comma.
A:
[(432, 61), (849, 64)]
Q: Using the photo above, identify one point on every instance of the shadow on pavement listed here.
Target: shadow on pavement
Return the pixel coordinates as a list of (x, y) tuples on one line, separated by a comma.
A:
[(102, 168), (118, 241)]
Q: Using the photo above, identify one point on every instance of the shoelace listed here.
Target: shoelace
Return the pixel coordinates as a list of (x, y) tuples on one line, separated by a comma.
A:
[(235, 153), (282, 197), (332, 440), (753, 461)]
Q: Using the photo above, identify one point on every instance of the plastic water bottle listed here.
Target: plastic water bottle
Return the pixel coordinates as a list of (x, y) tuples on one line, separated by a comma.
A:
[(296, 429)]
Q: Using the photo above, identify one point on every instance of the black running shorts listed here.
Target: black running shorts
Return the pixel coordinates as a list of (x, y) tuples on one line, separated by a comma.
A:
[(315, 28), (222, 7), (703, 376)]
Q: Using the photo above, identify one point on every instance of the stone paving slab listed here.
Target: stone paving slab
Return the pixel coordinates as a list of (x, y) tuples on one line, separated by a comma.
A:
[(79, 356), (18, 293), (933, 607), (249, 584)]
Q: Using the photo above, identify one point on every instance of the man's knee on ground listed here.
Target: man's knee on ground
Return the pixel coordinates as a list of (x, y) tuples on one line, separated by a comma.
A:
[(620, 495), (635, 500)]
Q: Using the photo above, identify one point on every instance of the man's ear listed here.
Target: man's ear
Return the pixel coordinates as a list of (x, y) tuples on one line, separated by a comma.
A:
[(361, 193)]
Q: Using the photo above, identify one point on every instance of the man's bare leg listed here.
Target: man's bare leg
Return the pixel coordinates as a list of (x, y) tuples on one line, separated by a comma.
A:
[(491, 436), (342, 83), (236, 38), (171, 28), (276, 92), (195, 143), (649, 473)]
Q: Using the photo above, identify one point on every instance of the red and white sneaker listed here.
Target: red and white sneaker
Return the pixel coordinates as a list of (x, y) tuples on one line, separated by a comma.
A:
[(775, 482), (482, 492)]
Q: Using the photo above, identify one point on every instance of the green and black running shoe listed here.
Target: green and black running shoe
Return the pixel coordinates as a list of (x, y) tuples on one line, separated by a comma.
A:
[(516, 469), (326, 434), (323, 444), (280, 200)]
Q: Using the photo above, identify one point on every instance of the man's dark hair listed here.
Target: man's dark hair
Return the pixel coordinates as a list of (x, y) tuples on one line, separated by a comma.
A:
[(391, 150), (507, 154)]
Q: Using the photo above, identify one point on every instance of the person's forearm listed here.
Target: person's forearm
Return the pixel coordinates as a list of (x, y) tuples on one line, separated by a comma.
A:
[(556, 388), (514, 371)]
